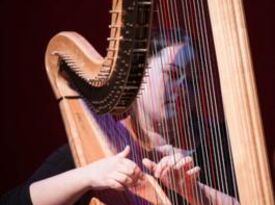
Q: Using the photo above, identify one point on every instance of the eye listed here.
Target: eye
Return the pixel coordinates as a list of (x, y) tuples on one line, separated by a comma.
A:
[(175, 72)]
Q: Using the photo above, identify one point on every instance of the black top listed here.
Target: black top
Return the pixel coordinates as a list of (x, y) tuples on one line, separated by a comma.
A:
[(58, 162)]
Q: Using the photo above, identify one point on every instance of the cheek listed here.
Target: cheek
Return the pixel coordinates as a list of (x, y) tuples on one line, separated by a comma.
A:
[(151, 99), (153, 93), (158, 101)]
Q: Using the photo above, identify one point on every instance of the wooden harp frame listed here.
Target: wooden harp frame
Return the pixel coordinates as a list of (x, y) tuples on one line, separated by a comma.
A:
[(239, 100)]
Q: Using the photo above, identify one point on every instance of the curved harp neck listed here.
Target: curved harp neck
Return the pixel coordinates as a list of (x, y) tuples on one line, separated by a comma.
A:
[(108, 85)]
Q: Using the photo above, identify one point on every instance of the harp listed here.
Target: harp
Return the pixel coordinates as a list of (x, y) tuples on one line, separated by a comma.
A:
[(106, 88)]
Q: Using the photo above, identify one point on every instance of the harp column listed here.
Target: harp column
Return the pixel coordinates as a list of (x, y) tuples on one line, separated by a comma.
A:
[(240, 102)]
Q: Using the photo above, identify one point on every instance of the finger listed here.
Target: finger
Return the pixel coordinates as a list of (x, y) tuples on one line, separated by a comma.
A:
[(178, 156), (129, 167), (138, 173), (123, 179), (194, 172), (116, 185), (172, 160), (125, 152), (141, 176), (165, 163), (184, 164), (175, 157), (165, 173), (137, 179), (163, 170), (176, 170), (150, 165)]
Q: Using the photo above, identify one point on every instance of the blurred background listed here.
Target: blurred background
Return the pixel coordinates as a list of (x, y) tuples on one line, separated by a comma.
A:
[(31, 125)]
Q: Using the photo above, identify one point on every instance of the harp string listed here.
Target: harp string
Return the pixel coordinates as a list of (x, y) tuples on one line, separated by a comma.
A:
[(168, 36), (193, 87), (212, 105), (175, 38), (165, 128), (185, 107), (211, 90), (219, 136), (200, 104), (164, 12), (147, 124), (203, 103), (188, 87)]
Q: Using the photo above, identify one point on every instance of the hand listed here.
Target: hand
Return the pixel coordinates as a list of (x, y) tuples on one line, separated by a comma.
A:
[(116, 172), (175, 172)]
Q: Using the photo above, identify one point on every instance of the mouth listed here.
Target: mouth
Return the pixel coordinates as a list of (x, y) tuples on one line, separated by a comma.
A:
[(171, 108), (170, 101)]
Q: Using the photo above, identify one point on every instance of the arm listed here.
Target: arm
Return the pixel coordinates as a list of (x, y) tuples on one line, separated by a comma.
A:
[(114, 172), (65, 188), (179, 174)]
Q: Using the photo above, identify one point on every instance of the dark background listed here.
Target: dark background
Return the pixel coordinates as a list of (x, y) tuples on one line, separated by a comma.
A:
[(31, 126)]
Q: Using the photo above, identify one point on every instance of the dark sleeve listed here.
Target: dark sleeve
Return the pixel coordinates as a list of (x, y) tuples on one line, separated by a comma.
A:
[(58, 162), (19, 196)]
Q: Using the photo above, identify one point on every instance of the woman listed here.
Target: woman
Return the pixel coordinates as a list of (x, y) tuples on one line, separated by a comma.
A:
[(58, 182)]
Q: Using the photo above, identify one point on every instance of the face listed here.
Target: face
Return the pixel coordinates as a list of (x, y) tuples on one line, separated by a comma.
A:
[(166, 80), (165, 87)]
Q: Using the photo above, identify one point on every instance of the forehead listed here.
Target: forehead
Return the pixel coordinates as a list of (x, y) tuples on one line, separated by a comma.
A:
[(179, 54)]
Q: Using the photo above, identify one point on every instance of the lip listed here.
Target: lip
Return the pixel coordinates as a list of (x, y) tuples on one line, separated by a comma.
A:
[(169, 103)]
